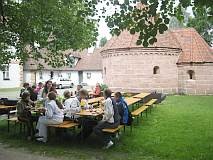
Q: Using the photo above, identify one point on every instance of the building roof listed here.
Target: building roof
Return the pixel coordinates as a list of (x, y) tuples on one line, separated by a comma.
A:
[(194, 48), (91, 61), (86, 61)]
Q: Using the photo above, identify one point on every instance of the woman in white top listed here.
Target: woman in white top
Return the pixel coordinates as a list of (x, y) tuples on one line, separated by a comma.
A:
[(73, 105), (53, 115), (111, 118)]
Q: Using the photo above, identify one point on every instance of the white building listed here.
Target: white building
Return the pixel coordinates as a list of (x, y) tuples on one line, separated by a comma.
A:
[(87, 69), (11, 76)]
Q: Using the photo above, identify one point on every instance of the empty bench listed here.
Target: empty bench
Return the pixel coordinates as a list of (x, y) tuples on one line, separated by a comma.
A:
[(113, 130), (15, 121), (139, 111), (150, 103)]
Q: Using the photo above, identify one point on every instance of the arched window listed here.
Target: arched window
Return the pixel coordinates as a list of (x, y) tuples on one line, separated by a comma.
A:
[(156, 70), (191, 74)]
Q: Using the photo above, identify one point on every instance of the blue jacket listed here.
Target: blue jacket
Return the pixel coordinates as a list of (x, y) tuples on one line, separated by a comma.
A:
[(123, 110)]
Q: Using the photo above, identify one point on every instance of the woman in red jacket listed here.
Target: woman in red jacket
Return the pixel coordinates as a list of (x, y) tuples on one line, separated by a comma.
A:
[(97, 91)]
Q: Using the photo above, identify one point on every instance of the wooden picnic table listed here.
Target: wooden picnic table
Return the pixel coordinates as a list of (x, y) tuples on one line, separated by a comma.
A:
[(90, 113), (95, 100), (131, 100), (141, 95), (7, 107)]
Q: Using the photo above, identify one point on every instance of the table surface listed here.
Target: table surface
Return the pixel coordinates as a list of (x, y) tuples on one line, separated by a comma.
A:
[(94, 100), (131, 100), (141, 95), (94, 113)]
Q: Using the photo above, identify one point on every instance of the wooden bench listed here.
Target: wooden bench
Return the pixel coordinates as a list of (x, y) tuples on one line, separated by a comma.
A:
[(150, 103), (113, 130), (139, 111), (15, 120), (65, 125)]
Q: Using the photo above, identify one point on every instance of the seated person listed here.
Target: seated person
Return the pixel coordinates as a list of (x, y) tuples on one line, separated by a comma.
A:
[(33, 94), (53, 115), (53, 88), (24, 114), (24, 88), (73, 105), (45, 90), (79, 87), (39, 87), (97, 91), (122, 109), (111, 118)]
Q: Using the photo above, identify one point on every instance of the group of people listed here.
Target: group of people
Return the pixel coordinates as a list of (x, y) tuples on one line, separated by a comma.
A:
[(115, 112), (40, 91)]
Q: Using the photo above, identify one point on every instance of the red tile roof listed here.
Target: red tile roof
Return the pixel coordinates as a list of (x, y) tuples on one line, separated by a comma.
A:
[(90, 61), (194, 48)]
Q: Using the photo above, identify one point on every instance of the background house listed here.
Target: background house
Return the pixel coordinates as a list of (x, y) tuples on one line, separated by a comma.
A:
[(87, 68), (12, 76)]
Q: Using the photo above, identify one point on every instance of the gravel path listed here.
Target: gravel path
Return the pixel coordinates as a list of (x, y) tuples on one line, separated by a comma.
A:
[(14, 154)]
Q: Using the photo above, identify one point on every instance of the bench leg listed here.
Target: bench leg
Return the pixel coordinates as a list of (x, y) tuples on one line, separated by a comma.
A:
[(20, 128), (8, 126), (146, 112), (8, 122)]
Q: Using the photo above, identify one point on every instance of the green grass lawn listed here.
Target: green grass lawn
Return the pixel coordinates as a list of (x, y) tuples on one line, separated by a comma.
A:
[(9, 89), (181, 128)]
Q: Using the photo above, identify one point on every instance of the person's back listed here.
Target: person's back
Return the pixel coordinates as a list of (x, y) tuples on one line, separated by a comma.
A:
[(53, 111), (24, 114), (24, 88), (21, 107), (108, 111), (116, 114), (33, 94), (72, 106), (122, 108)]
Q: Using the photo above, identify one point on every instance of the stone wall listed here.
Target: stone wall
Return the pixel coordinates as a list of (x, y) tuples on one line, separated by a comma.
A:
[(202, 82), (132, 69)]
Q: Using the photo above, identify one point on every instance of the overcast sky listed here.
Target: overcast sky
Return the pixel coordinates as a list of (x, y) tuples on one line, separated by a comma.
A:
[(104, 31)]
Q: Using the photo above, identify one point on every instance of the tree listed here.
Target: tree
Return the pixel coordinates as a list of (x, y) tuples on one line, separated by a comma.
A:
[(29, 27), (72, 24), (103, 41), (201, 23)]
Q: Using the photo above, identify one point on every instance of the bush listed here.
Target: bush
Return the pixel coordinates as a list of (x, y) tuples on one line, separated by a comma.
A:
[(103, 87)]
